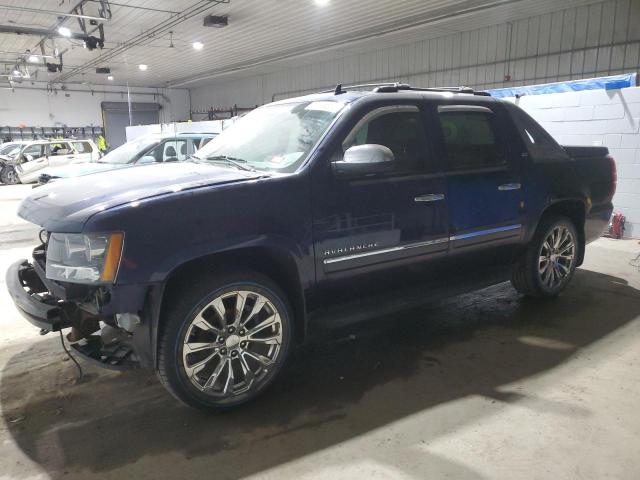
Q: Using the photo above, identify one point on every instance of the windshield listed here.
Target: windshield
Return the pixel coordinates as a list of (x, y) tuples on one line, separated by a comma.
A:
[(130, 151), (273, 138), (10, 150)]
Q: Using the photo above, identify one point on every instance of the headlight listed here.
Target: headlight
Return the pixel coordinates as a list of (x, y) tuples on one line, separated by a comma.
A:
[(80, 258)]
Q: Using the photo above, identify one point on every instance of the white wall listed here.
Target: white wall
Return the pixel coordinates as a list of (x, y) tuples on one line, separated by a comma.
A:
[(39, 108), (589, 41), (598, 117)]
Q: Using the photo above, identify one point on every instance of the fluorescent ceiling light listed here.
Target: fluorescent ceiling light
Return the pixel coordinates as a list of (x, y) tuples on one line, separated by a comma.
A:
[(142, 67), (110, 77), (33, 59), (64, 31), (198, 45)]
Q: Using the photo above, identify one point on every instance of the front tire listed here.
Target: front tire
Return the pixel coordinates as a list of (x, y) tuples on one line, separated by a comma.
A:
[(9, 176), (548, 264), (224, 341)]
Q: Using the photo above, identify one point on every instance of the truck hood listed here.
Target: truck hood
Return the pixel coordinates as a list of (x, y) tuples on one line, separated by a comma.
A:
[(79, 169), (66, 204)]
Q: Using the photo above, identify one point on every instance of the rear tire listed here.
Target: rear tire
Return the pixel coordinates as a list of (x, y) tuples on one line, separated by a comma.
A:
[(212, 357), (548, 264)]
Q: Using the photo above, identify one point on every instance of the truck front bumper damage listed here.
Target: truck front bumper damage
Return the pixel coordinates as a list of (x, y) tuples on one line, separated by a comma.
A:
[(48, 306)]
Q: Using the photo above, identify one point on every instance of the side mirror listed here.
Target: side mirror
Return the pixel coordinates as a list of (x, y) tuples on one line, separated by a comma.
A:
[(146, 160), (363, 160)]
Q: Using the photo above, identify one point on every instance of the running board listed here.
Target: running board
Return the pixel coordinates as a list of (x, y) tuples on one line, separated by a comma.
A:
[(375, 307)]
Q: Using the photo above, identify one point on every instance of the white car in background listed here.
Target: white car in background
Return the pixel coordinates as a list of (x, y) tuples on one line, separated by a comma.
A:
[(25, 166)]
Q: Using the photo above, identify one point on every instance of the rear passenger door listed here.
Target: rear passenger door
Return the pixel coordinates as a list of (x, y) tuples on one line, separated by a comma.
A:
[(483, 180), (61, 153)]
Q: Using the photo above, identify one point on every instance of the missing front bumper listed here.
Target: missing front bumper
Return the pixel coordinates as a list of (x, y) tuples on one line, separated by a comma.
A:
[(32, 298)]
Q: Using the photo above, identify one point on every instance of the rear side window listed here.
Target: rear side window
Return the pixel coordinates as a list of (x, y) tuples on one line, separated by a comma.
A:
[(175, 150), (538, 142), (470, 137), (83, 147)]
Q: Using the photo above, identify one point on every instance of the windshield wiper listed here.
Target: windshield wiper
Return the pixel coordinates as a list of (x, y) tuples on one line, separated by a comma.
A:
[(236, 162)]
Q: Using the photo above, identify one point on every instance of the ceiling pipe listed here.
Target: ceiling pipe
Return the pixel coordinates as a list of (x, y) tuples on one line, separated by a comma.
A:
[(91, 91)]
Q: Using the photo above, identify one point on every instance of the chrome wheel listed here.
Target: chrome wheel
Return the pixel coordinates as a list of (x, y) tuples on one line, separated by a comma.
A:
[(232, 343), (556, 257)]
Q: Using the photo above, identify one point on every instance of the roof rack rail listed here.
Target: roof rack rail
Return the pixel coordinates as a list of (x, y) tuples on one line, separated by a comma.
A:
[(340, 88), (388, 87)]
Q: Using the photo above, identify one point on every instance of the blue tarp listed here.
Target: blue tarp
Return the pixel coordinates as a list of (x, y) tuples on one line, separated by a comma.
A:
[(606, 83)]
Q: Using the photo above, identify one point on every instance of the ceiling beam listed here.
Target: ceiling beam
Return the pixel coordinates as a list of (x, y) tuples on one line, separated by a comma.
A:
[(39, 32), (51, 12)]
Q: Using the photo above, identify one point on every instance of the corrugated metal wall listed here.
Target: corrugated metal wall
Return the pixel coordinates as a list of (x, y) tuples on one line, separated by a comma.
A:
[(598, 39)]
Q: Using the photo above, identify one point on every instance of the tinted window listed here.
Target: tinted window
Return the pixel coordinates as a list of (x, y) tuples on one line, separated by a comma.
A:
[(539, 143), (470, 138), (401, 131)]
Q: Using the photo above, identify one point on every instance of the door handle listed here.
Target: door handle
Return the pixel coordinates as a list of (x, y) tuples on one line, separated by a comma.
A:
[(430, 197), (509, 186)]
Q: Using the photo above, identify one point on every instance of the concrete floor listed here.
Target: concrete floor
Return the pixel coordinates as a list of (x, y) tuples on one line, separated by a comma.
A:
[(487, 385)]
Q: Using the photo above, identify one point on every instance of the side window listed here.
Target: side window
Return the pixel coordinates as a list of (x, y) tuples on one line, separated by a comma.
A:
[(470, 137), (36, 151), (82, 147), (61, 148), (174, 150), (400, 129), (538, 142)]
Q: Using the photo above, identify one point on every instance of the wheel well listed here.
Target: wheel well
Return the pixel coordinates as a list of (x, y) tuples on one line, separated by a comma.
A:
[(278, 266), (575, 211)]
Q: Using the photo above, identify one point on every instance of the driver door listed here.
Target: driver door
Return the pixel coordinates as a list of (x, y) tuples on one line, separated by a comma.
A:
[(34, 158), (377, 233)]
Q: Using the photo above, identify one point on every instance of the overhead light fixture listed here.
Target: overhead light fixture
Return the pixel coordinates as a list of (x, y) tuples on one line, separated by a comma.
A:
[(198, 45), (33, 59), (64, 31), (110, 77), (142, 67), (322, 3)]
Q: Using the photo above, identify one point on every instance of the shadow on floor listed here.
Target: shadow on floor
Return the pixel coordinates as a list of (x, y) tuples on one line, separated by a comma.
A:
[(336, 388)]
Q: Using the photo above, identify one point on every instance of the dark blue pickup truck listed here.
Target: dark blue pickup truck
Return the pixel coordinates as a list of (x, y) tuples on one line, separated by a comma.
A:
[(310, 211)]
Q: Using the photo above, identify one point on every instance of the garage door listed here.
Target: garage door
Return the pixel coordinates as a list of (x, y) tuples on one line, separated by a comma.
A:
[(116, 119)]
